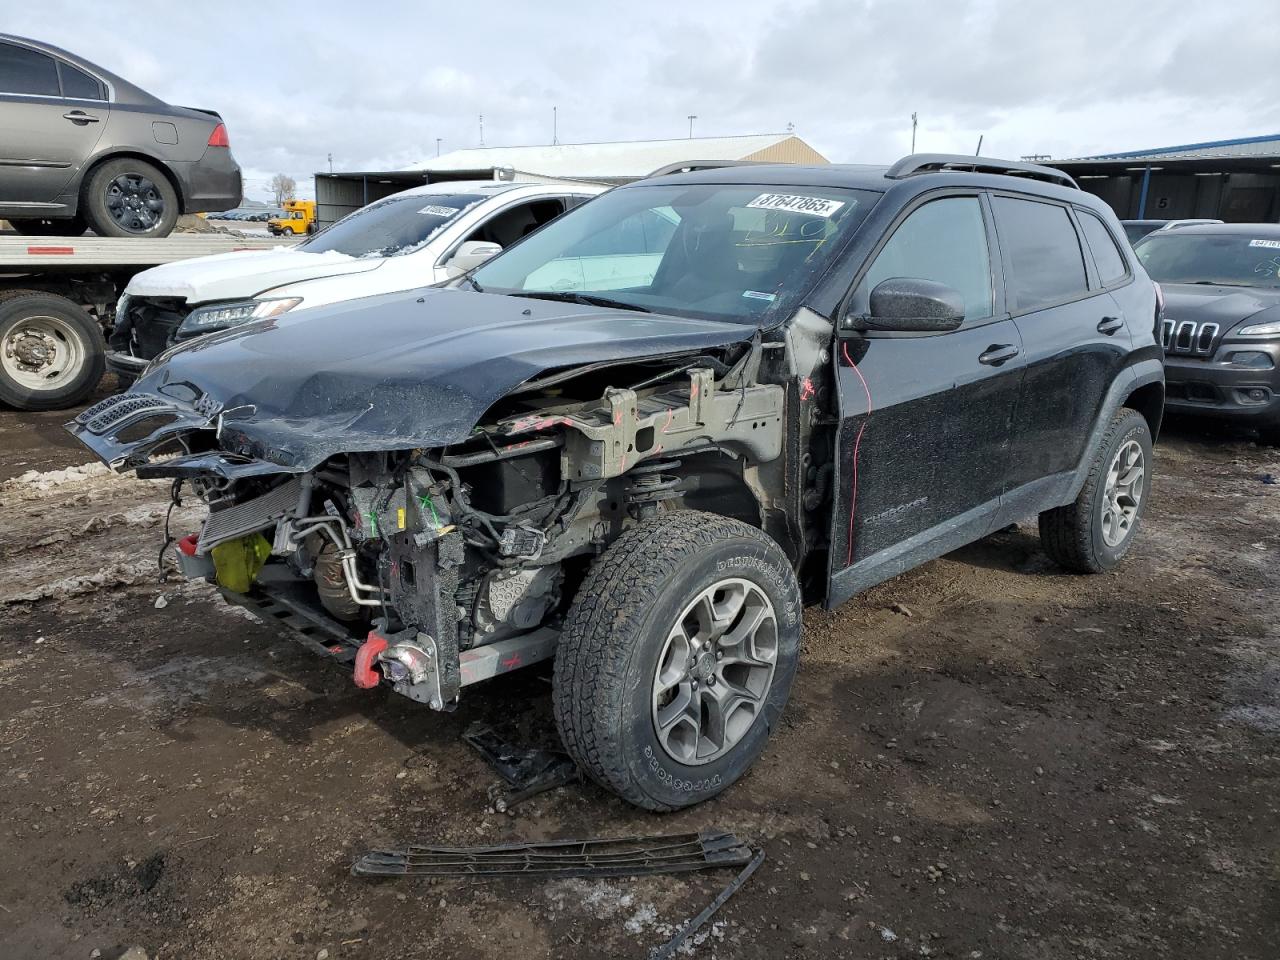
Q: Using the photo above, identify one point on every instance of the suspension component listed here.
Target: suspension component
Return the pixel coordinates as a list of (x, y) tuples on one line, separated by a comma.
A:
[(650, 485)]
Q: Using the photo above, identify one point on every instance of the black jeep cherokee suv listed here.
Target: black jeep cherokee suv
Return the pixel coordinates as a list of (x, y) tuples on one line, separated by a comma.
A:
[(1221, 325), (641, 439)]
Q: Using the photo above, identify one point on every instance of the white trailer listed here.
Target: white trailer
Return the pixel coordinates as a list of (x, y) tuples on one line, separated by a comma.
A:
[(58, 302)]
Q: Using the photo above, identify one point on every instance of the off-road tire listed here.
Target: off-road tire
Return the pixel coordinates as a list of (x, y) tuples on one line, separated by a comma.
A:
[(1072, 535), (615, 632), (16, 306), (94, 199), (68, 227)]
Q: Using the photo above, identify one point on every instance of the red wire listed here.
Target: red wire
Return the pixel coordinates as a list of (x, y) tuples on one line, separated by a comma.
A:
[(853, 501)]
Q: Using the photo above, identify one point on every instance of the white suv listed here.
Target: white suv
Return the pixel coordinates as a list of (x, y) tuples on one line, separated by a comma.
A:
[(411, 239)]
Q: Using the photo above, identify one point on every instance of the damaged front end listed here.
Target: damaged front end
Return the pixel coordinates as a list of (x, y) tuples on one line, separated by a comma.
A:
[(432, 567)]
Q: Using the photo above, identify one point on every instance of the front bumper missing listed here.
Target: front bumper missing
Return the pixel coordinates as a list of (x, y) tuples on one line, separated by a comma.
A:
[(280, 599)]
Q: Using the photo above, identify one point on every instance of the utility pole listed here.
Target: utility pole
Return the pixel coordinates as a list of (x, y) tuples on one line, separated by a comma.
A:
[(555, 120), (438, 139), (482, 129), (913, 131), (692, 117)]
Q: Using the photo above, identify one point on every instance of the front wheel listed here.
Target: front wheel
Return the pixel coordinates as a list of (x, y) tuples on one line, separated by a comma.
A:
[(52, 353), (1093, 533), (677, 658)]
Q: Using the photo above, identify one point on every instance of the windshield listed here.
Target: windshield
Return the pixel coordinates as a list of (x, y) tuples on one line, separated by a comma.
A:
[(719, 251), (391, 227), (1236, 260)]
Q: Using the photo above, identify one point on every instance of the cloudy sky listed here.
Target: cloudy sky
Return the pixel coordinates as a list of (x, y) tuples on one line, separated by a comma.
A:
[(376, 83)]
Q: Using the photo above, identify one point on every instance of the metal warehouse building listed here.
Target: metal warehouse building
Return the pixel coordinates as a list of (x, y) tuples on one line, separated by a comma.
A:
[(1233, 180), (338, 194)]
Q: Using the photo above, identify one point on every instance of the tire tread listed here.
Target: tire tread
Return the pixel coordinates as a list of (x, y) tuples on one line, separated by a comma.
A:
[(592, 657), (1066, 532)]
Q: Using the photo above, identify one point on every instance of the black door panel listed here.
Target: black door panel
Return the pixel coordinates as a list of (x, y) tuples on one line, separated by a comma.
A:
[(1074, 342), (925, 436), (1069, 366)]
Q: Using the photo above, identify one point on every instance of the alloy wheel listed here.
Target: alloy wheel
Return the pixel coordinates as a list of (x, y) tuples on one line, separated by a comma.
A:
[(715, 671), (1122, 493)]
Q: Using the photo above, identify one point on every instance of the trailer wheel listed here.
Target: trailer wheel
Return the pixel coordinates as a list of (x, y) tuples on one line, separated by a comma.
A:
[(52, 353), (677, 657)]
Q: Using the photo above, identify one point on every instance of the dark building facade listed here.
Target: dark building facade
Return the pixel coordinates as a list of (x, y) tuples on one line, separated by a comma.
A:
[(1233, 180)]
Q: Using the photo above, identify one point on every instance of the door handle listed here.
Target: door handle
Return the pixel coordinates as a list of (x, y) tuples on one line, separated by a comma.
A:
[(998, 353), (79, 116), (1110, 325)]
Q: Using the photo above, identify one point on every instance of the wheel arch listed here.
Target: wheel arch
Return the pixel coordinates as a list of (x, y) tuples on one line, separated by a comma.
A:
[(1148, 400), (715, 481), (92, 167)]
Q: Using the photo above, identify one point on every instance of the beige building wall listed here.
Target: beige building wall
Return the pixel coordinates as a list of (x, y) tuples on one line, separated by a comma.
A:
[(790, 150)]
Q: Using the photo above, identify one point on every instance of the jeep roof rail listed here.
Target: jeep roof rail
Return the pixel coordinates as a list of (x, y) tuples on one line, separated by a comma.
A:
[(918, 163), (689, 166)]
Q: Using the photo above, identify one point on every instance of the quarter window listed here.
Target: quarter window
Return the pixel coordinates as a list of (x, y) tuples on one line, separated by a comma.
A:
[(26, 71), (1106, 255), (1045, 261), (78, 85), (944, 241)]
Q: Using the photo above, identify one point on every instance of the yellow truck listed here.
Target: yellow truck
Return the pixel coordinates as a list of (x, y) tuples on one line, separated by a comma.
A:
[(299, 218)]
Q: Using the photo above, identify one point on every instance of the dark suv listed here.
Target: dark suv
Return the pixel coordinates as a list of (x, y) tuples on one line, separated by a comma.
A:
[(641, 439), (1221, 328), (81, 146)]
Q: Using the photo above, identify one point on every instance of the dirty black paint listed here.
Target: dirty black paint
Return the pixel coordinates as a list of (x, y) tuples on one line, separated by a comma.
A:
[(403, 370)]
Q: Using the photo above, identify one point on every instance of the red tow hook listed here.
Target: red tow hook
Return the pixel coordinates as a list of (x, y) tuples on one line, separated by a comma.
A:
[(365, 675)]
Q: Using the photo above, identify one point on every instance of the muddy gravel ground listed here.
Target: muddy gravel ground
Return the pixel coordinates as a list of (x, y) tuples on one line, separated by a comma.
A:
[(982, 758)]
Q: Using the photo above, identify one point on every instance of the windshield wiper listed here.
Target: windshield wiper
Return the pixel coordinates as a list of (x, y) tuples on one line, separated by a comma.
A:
[(1217, 283), (576, 296), (474, 286)]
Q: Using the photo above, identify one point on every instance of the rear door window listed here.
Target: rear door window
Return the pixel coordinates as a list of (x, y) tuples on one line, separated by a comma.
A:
[(1106, 255), (944, 241), (27, 71), (1042, 250)]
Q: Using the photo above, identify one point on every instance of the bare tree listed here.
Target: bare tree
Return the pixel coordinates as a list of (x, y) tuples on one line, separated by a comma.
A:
[(283, 186)]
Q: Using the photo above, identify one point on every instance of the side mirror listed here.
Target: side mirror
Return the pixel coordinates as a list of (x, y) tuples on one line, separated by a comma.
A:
[(912, 305), (471, 254)]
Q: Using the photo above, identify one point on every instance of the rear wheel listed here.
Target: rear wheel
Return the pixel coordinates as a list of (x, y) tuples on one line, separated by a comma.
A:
[(67, 227), (677, 658), (130, 198), (1092, 534), (52, 353)]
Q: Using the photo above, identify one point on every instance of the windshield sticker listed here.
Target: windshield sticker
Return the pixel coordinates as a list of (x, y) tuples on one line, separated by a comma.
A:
[(433, 210), (1271, 244), (812, 206), (757, 295)]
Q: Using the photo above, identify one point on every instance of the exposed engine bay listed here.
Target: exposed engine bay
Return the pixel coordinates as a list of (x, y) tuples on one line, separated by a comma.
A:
[(432, 569)]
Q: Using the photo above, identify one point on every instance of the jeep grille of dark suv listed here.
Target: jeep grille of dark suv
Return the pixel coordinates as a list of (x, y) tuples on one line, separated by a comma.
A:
[(1187, 336)]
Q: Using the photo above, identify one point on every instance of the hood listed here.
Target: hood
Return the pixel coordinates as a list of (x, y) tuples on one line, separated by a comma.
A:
[(1223, 305), (242, 274), (397, 371)]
